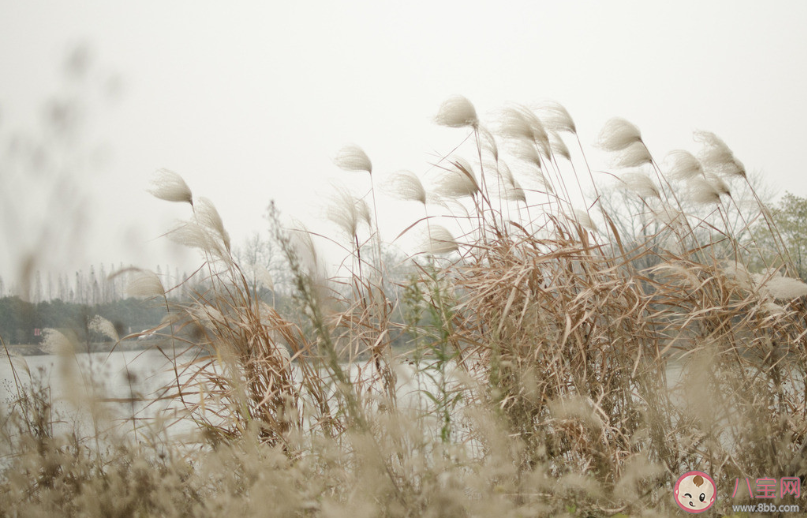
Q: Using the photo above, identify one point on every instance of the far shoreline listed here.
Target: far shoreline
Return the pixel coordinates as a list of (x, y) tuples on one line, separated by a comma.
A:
[(95, 347)]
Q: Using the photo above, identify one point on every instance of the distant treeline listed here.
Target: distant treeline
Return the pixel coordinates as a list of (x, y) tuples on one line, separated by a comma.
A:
[(95, 286), (22, 322)]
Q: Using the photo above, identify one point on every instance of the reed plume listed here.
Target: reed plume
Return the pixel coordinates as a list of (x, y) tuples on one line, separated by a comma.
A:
[(440, 241), (555, 117), (457, 112), (682, 165), (407, 186), (618, 134), (169, 186), (145, 283), (353, 158), (459, 181), (717, 157)]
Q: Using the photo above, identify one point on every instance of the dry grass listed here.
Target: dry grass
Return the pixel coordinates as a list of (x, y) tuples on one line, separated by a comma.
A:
[(541, 339)]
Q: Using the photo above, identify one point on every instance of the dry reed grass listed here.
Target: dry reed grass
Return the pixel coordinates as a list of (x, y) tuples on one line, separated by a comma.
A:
[(541, 347)]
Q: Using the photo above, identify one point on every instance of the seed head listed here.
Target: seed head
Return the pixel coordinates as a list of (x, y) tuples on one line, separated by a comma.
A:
[(783, 288), (719, 185), (441, 241), (514, 192), (558, 146), (353, 158), (169, 186), (406, 185), (519, 122), (459, 181), (101, 325), (641, 184), (634, 155), (457, 112), (145, 283), (344, 212), (207, 216), (55, 342), (489, 142), (717, 157), (555, 117), (585, 220), (618, 134), (682, 165), (703, 192)]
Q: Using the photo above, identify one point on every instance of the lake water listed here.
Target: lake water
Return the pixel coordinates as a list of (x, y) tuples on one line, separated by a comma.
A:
[(126, 382)]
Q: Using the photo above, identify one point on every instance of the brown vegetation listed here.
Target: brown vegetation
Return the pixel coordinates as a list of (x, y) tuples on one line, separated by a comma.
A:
[(542, 340)]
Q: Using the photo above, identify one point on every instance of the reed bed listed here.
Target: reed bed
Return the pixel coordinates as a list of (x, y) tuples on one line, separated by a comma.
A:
[(571, 358)]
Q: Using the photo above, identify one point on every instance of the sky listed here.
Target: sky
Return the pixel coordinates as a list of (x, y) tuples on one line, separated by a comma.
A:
[(250, 101)]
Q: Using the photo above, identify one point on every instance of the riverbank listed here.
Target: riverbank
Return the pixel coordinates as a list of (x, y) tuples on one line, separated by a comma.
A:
[(95, 347)]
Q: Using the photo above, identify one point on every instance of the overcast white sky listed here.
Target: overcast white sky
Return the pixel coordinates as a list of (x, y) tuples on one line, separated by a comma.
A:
[(250, 101)]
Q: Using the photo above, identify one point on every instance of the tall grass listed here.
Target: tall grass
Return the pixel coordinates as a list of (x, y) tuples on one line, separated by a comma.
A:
[(563, 364)]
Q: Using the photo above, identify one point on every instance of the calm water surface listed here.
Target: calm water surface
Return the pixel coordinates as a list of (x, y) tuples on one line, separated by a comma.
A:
[(127, 382)]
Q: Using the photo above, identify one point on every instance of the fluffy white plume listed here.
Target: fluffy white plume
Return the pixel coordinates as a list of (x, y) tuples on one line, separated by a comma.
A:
[(459, 181), (719, 185), (457, 112), (55, 342), (281, 353), (740, 274), (505, 174), (441, 241), (668, 216), (514, 124), (304, 248), (526, 151), (344, 211), (585, 220), (193, 234), (641, 185), (514, 192), (207, 314), (717, 157), (145, 283), (772, 308), (519, 122), (702, 191), (101, 325), (509, 188), (782, 288), (169, 186), (682, 165), (263, 276), (363, 210), (353, 158), (406, 185), (555, 117), (634, 155), (489, 142), (207, 216), (679, 273), (535, 173), (558, 146), (618, 134)]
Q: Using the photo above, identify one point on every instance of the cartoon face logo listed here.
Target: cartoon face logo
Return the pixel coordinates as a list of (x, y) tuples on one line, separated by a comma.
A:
[(695, 492)]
